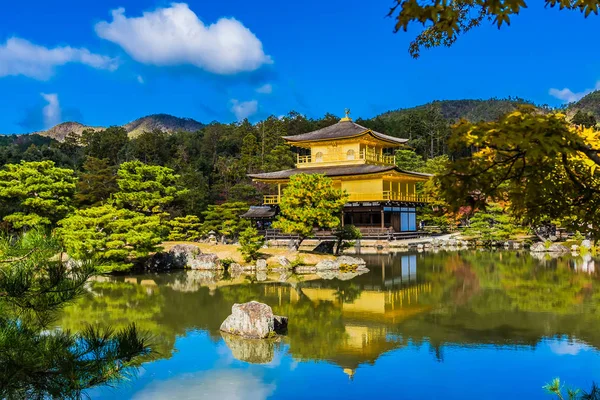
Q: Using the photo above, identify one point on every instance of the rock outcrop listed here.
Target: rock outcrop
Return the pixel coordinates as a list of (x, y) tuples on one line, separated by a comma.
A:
[(342, 263), (538, 248), (190, 256), (253, 320)]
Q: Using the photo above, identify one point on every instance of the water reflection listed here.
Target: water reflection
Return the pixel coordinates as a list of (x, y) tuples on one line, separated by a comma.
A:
[(467, 299)]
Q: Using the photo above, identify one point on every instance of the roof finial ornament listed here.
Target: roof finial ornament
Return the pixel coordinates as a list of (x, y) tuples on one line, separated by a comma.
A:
[(347, 117)]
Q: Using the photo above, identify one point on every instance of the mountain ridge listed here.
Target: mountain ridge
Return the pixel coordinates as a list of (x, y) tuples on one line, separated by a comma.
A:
[(148, 123)]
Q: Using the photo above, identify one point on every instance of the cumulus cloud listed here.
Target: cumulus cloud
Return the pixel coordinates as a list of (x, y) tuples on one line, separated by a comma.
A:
[(568, 96), (51, 111), (243, 109), (21, 57), (267, 88), (176, 36)]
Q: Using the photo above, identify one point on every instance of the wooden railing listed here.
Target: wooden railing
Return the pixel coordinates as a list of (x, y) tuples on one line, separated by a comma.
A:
[(382, 196), (368, 156)]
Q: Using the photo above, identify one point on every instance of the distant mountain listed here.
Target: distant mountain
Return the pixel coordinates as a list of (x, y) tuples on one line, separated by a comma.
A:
[(589, 103), (60, 131), (163, 122), (472, 110)]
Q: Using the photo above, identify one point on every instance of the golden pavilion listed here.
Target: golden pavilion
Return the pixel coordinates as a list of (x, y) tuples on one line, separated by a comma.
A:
[(382, 198)]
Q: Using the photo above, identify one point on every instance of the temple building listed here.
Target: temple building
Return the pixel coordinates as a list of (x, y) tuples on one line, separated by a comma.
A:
[(382, 198)]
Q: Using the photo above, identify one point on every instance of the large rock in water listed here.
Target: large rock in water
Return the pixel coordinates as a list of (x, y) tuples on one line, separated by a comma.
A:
[(253, 320)]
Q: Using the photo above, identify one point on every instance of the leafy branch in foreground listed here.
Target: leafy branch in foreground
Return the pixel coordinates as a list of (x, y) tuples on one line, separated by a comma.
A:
[(445, 20), (556, 388), (36, 359)]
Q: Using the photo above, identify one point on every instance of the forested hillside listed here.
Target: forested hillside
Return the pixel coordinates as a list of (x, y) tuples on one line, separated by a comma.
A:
[(588, 104), (213, 160)]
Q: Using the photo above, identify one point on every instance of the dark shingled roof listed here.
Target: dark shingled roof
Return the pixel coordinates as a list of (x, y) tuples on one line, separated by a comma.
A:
[(341, 130), (259, 212), (361, 169)]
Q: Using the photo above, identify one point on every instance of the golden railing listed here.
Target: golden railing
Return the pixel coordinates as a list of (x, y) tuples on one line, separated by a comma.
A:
[(271, 199), (367, 156), (382, 196)]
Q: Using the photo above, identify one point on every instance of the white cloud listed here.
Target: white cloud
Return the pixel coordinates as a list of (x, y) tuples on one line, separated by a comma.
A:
[(568, 96), (21, 57), (51, 112), (176, 36), (267, 88), (244, 109), (140, 79)]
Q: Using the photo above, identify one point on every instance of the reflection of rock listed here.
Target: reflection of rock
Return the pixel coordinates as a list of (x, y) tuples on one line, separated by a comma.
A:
[(196, 279), (253, 320), (261, 275), (305, 270), (253, 351), (342, 276), (586, 264)]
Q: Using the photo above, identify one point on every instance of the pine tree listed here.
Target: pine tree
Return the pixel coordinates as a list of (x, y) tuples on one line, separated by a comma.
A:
[(310, 201), (39, 361), (185, 228), (250, 244), (35, 193), (97, 182)]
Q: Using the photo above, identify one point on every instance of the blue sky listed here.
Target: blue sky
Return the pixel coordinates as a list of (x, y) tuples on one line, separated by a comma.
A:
[(109, 62)]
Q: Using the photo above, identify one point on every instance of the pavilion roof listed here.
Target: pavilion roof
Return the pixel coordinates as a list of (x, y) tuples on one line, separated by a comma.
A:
[(259, 212), (341, 130), (360, 169)]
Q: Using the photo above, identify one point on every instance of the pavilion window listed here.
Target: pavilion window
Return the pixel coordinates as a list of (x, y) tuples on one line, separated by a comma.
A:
[(350, 155), (319, 157)]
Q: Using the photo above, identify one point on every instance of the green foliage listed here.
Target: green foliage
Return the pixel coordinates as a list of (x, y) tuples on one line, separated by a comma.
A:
[(37, 360), (545, 167), (225, 219), (556, 388), (149, 189), (185, 228), (111, 143), (491, 224), (408, 160), (97, 182), (310, 201), (444, 21), (226, 263), (112, 237), (35, 193), (585, 119), (345, 236), (250, 244)]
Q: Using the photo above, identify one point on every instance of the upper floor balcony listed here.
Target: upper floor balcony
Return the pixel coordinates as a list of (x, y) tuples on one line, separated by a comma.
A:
[(349, 157), (385, 195)]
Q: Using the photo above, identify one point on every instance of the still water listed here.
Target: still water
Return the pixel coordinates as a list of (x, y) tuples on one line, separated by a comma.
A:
[(481, 325)]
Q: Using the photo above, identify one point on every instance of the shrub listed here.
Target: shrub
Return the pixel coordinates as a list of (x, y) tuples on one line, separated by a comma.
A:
[(250, 243)]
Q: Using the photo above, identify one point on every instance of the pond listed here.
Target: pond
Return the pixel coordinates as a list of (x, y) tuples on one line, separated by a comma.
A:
[(451, 325)]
